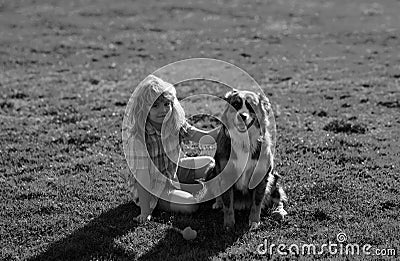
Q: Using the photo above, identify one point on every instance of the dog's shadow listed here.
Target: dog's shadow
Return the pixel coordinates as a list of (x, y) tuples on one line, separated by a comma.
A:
[(96, 240), (211, 240)]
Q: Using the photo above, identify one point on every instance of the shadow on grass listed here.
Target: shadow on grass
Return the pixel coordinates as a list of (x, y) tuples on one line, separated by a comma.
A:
[(101, 238), (96, 239), (211, 238)]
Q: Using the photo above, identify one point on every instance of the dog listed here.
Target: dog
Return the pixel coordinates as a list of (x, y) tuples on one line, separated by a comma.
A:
[(244, 172)]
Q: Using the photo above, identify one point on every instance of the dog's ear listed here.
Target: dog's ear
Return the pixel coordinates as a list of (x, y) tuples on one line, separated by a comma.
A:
[(263, 168), (264, 103), (265, 163), (264, 111)]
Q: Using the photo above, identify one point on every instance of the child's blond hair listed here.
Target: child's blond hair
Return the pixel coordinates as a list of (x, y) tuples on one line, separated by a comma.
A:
[(141, 101)]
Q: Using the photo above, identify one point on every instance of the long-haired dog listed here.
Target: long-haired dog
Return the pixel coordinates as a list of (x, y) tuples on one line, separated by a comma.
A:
[(244, 171)]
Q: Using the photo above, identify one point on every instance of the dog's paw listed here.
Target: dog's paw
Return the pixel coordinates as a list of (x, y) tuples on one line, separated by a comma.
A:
[(217, 205), (229, 228), (229, 222), (254, 225), (142, 218), (279, 214)]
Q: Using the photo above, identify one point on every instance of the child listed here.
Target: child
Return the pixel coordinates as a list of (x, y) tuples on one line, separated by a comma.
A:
[(152, 132)]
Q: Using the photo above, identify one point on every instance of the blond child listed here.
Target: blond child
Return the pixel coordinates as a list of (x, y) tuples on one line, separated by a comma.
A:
[(154, 126)]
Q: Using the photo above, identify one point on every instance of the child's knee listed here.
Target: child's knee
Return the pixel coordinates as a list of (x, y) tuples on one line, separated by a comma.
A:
[(182, 202), (204, 162), (183, 208), (208, 163)]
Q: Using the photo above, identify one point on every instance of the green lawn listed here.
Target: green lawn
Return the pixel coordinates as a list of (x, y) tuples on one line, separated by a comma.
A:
[(68, 68)]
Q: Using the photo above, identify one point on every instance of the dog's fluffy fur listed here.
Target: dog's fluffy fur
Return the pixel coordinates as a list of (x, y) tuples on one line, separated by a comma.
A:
[(244, 159)]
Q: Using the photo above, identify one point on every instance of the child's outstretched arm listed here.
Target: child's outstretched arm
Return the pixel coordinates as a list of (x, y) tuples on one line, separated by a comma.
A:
[(143, 178)]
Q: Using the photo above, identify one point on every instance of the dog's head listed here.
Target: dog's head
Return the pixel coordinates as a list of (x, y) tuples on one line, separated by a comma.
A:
[(245, 109), (247, 114)]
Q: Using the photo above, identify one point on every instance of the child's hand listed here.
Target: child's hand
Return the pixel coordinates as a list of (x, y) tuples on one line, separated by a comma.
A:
[(142, 218)]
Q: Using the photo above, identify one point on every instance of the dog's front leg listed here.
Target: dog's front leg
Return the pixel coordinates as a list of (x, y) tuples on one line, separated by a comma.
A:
[(255, 211), (229, 213)]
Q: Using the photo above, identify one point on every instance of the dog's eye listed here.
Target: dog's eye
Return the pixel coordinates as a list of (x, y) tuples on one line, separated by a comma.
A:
[(248, 106), (237, 104)]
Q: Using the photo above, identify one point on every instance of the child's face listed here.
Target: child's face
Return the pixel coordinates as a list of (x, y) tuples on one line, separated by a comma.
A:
[(160, 110)]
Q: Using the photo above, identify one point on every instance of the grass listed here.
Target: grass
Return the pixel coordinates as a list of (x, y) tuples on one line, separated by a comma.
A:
[(330, 70)]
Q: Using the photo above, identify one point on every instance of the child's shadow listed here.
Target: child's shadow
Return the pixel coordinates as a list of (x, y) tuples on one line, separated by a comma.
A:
[(96, 240)]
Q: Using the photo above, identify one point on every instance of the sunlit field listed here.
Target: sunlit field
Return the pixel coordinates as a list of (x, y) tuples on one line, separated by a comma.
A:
[(331, 70)]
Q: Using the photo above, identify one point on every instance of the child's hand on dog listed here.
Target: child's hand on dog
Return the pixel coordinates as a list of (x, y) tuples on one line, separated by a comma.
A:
[(142, 218)]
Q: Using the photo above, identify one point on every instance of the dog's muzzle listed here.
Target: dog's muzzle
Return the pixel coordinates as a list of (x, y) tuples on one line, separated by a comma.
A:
[(245, 125)]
